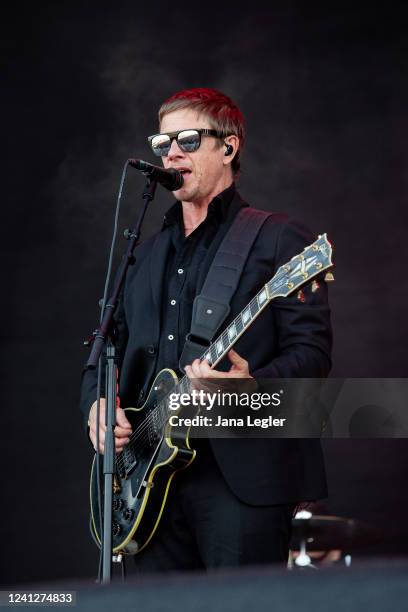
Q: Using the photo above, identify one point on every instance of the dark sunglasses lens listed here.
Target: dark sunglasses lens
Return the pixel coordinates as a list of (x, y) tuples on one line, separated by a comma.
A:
[(160, 145), (188, 140)]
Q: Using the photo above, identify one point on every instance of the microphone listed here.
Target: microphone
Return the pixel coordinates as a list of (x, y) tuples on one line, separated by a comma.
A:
[(170, 178)]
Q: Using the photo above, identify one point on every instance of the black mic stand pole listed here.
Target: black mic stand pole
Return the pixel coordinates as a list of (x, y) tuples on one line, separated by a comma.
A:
[(104, 335)]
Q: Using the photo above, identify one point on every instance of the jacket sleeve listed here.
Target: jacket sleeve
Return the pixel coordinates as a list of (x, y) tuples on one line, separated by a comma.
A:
[(90, 377), (302, 325)]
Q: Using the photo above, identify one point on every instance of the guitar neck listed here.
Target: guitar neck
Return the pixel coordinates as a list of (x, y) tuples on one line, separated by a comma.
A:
[(226, 340), (300, 270)]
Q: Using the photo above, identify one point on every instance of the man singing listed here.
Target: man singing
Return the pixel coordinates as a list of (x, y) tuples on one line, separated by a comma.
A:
[(233, 506)]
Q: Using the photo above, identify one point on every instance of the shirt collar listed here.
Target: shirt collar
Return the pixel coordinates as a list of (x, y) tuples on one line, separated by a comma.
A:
[(218, 207)]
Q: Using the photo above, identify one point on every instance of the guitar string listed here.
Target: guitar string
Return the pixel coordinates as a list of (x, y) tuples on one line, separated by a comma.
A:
[(224, 337), (158, 416), (142, 433), (238, 322), (150, 419), (157, 413)]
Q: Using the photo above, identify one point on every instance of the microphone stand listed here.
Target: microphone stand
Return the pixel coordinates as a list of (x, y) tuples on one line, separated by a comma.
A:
[(105, 335)]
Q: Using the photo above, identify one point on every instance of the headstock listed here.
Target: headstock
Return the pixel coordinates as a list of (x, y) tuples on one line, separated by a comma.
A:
[(313, 260)]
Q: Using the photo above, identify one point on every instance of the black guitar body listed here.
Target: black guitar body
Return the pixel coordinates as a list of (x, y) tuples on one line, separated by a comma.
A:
[(144, 471)]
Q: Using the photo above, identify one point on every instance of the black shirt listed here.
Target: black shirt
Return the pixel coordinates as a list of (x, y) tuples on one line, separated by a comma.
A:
[(188, 262)]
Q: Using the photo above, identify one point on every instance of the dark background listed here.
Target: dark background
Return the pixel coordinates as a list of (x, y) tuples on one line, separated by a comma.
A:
[(324, 90)]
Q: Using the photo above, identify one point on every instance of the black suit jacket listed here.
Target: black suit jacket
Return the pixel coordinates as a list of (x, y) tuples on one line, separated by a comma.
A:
[(290, 339)]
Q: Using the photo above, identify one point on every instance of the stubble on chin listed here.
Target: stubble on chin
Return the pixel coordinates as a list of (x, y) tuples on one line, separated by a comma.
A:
[(189, 194)]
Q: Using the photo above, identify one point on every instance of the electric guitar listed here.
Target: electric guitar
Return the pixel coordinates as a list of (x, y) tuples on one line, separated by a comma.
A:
[(157, 451)]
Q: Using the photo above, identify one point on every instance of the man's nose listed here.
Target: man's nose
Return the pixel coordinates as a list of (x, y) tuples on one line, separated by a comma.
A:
[(175, 151)]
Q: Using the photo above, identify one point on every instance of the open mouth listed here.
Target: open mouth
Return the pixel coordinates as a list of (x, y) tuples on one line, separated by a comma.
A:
[(184, 171)]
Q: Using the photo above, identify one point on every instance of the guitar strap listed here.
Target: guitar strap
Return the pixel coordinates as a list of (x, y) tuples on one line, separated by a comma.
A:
[(212, 306)]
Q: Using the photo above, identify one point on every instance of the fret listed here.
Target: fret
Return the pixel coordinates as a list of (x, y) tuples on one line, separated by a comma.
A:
[(213, 351), (239, 324)]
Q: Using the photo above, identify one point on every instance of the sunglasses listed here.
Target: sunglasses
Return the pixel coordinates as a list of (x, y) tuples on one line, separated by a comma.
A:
[(187, 140)]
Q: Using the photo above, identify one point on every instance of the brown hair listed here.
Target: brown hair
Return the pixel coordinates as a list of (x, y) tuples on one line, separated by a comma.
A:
[(221, 112)]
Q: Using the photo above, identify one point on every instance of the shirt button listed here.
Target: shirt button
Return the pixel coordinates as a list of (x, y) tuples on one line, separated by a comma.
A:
[(170, 337), (180, 271), (173, 302)]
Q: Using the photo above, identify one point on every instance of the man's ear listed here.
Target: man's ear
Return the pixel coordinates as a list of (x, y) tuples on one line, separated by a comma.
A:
[(231, 145)]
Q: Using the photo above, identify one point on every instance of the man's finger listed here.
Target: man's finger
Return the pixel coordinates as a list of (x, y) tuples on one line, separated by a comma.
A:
[(236, 359), (119, 442), (122, 432), (205, 369), (92, 421), (195, 366), (120, 446), (215, 374), (121, 419)]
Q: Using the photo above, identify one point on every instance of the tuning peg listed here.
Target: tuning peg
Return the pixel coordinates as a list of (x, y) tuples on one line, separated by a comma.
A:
[(329, 278), (301, 296)]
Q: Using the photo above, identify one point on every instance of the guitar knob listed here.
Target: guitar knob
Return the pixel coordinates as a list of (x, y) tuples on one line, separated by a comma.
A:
[(128, 514), (116, 529), (118, 504)]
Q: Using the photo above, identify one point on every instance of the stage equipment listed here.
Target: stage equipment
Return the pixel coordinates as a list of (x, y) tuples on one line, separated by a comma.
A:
[(170, 178), (315, 536), (104, 336)]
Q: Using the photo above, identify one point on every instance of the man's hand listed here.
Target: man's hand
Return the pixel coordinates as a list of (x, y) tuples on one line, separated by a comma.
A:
[(200, 373), (123, 428), (238, 369)]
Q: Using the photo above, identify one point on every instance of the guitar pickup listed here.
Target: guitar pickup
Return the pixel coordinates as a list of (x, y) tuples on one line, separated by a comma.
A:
[(129, 461)]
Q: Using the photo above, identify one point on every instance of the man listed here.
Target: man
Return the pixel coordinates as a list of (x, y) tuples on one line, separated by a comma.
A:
[(233, 505)]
